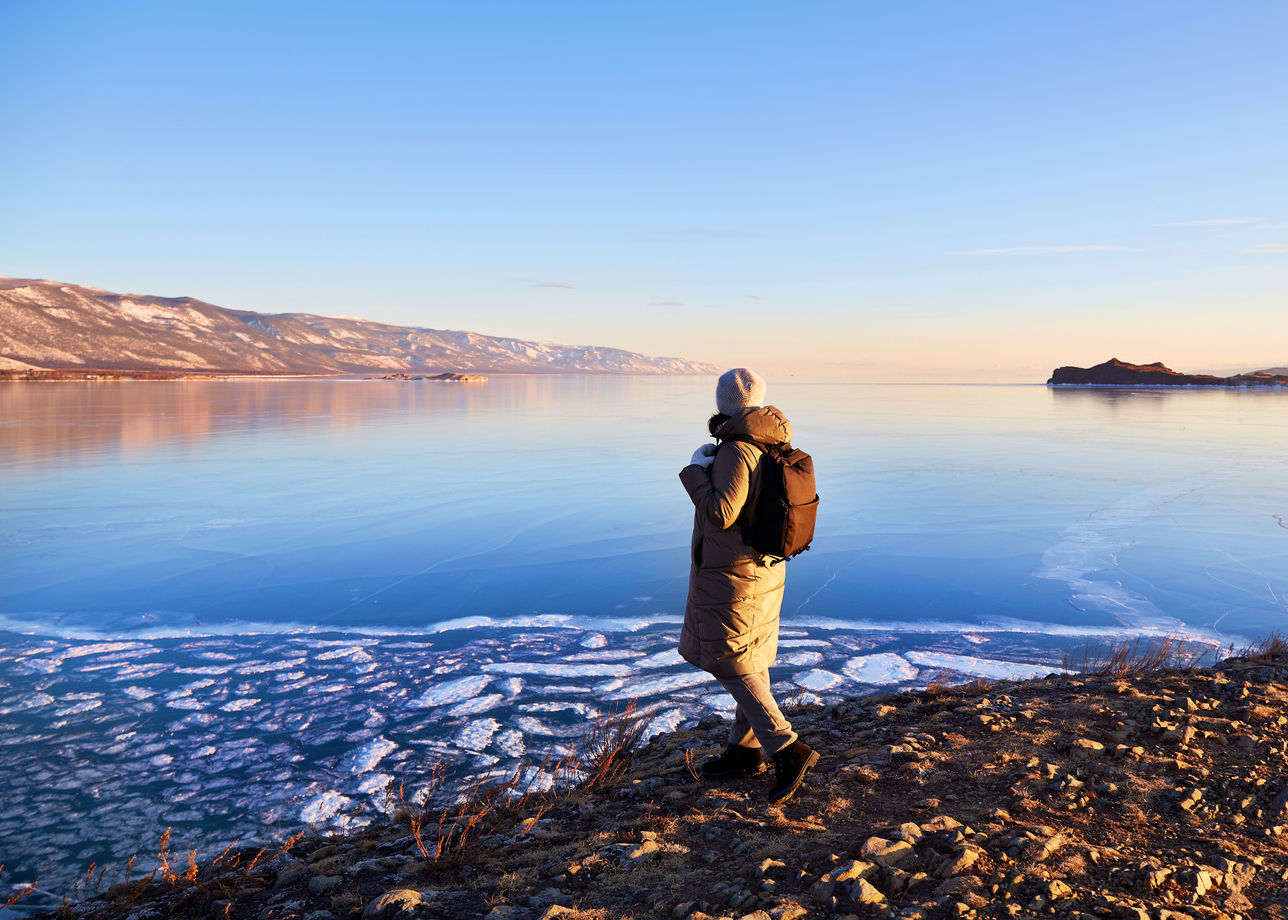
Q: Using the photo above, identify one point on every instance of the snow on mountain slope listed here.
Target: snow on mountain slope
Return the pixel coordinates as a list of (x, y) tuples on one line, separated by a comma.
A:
[(47, 324)]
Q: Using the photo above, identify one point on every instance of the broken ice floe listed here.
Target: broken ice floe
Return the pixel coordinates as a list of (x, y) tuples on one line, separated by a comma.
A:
[(880, 669), (249, 735), (981, 667), (453, 691)]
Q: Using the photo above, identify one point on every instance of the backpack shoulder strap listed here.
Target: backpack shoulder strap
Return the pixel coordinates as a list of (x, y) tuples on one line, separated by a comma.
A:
[(767, 448)]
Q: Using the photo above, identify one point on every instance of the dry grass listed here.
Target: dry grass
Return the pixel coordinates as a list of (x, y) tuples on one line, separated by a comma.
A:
[(1273, 647), (346, 902), (14, 899), (609, 745), (485, 807), (1137, 656), (944, 684)]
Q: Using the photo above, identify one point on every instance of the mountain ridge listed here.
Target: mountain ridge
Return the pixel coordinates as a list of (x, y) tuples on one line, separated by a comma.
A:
[(52, 325)]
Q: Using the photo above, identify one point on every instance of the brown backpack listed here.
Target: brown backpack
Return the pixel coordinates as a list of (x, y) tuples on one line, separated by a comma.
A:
[(781, 523)]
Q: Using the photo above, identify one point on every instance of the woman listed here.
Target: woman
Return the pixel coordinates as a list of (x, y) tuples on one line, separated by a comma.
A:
[(731, 618)]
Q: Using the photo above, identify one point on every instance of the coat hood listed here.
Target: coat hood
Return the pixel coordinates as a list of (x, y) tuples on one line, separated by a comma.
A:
[(763, 424)]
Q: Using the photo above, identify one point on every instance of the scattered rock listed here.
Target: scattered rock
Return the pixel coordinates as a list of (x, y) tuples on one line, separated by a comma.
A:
[(320, 884), (863, 892), (885, 852), (958, 863)]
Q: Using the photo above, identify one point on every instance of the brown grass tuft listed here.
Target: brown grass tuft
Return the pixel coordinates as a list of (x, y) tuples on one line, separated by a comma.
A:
[(1273, 647), (14, 899), (609, 745), (1137, 656), (163, 853)]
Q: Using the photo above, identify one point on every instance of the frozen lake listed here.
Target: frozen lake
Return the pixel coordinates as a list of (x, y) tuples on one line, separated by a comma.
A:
[(233, 607)]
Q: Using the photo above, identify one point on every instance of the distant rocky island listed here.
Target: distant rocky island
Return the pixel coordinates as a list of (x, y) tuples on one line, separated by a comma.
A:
[(1115, 373), (52, 329), (444, 378)]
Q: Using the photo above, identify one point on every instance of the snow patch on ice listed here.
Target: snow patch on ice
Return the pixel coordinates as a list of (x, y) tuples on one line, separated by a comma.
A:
[(478, 734), (664, 722), (990, 668), (452, 691), (323, 807), (510, 742), (665, 684), (373, 784), (881, 668), (365, 758), (663, 659), (475, 706), (553, 669), (817, 680), (800, 659)]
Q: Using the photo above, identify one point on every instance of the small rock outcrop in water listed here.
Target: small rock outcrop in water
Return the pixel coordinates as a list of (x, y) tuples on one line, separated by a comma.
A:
[(1160, 795), (446, 378), (1115, 373)]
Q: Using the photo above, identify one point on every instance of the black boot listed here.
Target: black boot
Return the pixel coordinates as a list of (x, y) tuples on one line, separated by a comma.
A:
[(736, 761), (791, 764)]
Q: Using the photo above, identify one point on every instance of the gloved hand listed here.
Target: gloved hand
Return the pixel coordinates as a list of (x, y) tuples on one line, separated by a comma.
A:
[(704, 456)]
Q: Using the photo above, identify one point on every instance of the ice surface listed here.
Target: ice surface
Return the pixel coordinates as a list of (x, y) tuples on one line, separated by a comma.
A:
[(477, 705), (641, 689), (83, 705), (881, 668), (583, 709), (663, 659), (365, 758), (817, 680), (477, 734), (510, 743), (373, 784), (453, 691), (322, 807), (554, 669), (664, 722), (799, 659), (981, 667)]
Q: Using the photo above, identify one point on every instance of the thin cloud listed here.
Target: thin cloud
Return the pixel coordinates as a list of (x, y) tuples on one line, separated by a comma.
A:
[(1037, 250), (667, 303), (1266, 249), (1211, 222), (554, 284)]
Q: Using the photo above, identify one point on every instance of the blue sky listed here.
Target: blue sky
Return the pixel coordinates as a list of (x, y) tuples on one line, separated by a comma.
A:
[(841, 189)]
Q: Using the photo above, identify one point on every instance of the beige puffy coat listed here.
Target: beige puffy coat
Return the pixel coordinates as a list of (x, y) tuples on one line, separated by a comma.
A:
[(731, 618)]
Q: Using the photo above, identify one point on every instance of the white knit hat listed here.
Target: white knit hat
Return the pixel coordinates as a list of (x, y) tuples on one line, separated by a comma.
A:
[(740, 388)]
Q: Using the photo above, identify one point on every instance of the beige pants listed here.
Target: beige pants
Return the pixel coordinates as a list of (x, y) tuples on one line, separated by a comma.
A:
[(758, 721)]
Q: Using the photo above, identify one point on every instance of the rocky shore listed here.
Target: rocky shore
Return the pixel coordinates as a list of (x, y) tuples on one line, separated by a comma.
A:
[(1124, 792)]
